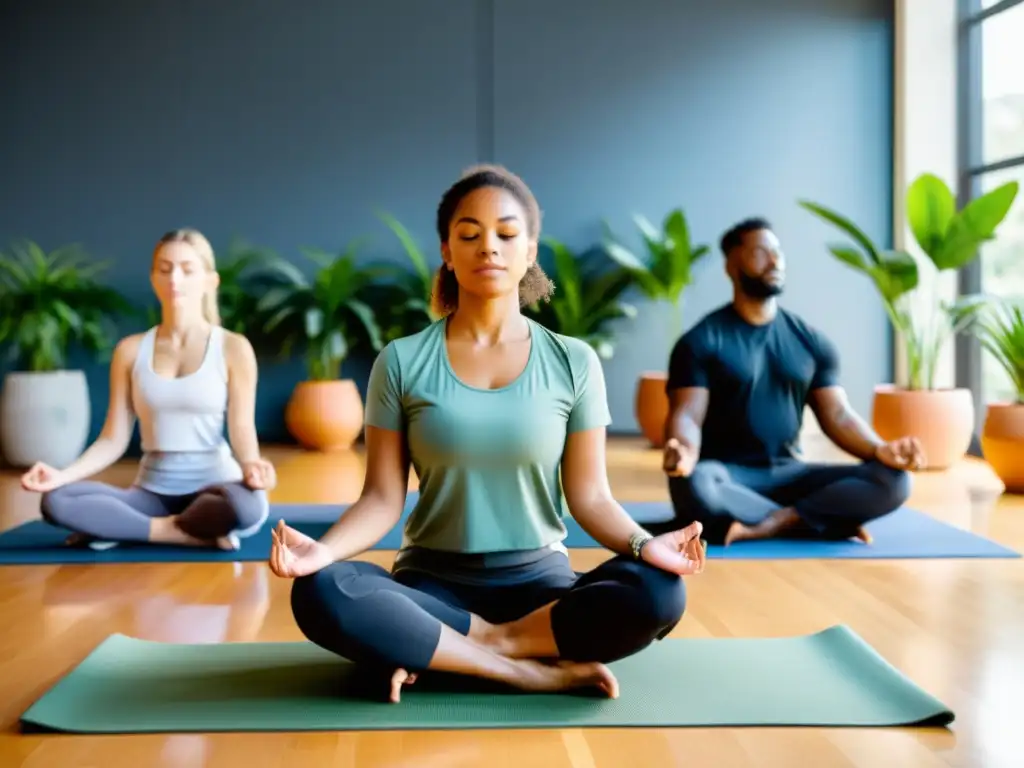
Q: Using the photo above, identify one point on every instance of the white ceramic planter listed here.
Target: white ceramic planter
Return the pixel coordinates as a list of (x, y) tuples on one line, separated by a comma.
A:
[(44, 417)]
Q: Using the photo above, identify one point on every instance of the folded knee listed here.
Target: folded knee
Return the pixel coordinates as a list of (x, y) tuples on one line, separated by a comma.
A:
[(660, 600), (321, 595), (54, 507), (896, 484), (702, 487)]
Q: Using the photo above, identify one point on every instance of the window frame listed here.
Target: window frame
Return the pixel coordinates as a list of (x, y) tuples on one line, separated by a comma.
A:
[(970, 171)]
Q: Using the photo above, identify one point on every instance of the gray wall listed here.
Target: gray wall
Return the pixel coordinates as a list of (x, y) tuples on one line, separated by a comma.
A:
[(289, 123)]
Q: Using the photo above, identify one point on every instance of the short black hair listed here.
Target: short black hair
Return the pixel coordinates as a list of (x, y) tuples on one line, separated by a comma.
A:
[(733, 238), (535, 285)]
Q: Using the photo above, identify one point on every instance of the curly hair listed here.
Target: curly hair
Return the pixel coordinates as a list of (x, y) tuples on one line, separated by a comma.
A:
[(535, 285)]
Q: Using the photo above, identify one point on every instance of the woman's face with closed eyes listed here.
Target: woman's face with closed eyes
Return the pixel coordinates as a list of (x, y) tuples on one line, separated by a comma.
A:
[(489, 248)]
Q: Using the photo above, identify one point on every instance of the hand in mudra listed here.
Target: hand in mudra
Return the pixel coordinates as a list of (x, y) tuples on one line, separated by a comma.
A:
[(680, 552), (903, 453), (677, 461), (294, 554), (42, 478), (259, 475)]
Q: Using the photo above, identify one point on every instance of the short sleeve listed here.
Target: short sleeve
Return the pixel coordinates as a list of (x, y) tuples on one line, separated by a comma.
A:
[(384, 393), (687, 366), (590, 406), (826, 358)]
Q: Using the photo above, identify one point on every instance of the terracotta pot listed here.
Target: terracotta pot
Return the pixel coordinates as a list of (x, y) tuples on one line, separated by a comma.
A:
[(325, 415), (1002, 443), (652, 406), (942, 419)]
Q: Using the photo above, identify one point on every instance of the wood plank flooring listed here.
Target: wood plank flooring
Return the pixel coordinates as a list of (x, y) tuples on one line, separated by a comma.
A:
[(956, 627)]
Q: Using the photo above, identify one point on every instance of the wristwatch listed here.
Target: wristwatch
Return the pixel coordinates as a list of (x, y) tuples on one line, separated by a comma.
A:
[(637, 542)]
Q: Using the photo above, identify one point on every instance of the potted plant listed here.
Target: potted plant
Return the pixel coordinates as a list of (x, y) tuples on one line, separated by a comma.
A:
[(48, 303), (662, 277), (942, 418), (403, 302), (998, 324), (327, 317), (586, 300)]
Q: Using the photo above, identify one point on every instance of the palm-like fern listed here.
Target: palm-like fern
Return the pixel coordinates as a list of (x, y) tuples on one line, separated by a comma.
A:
[(324, 314), (50, 301), (586, 299), (998, 324)]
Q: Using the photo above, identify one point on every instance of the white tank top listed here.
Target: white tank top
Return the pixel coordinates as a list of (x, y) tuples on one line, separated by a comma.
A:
[(181, 422)]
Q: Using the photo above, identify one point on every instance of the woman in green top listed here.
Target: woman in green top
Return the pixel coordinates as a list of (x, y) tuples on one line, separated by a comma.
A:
[(504, 422)]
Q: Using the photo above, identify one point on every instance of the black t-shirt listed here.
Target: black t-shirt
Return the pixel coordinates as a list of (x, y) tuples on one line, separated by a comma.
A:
[(758, 378)]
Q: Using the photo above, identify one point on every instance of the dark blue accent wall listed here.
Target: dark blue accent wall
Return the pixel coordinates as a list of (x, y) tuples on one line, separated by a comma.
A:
[(290, 123)]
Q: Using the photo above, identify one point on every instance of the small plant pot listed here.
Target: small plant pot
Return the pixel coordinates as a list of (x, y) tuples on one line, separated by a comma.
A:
[(652, 406), (44, 416), (325, 416), (1002, 443), (942, 419)]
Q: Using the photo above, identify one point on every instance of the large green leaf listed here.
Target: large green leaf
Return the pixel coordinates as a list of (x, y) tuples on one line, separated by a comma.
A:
[(972, 227), (896, 275), (850, 257), (931, 207), (847, 226)]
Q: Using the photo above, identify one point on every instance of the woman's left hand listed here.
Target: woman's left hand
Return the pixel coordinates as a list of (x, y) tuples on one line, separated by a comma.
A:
[(259, 475), (680, 552)]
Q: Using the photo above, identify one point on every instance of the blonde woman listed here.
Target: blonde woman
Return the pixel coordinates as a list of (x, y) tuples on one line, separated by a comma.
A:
[(182, 379)]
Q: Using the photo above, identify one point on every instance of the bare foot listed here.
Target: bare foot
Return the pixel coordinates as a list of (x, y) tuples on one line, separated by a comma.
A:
[(777, 522), (398, 679), (738, 532), (537, 676), (863, 535)]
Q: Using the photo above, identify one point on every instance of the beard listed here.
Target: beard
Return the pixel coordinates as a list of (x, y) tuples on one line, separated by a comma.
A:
[(758, 288)]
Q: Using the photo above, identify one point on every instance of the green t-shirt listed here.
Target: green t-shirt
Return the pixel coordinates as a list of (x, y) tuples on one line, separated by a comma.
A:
[(488, 460)]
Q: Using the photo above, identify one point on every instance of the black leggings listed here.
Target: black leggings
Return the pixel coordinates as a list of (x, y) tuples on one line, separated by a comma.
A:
[(832, 500), (360, 612), (110, 513)]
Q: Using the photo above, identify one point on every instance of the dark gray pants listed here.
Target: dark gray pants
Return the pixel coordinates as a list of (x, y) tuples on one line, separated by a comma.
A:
[(832, 500), (109, 513), (361, 612)]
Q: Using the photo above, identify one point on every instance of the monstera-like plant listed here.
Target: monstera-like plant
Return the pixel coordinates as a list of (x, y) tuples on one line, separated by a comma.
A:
[(663, 274), (949, 238)]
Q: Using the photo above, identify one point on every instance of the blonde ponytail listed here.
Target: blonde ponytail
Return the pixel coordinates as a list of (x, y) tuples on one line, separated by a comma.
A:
[(211, 309)]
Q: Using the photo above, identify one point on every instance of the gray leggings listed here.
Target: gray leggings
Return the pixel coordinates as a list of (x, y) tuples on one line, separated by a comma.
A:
[(110, 513)]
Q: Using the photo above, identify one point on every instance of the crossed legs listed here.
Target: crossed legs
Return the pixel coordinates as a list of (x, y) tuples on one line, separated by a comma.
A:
[(105, 512), (832, 501), (553, 633)]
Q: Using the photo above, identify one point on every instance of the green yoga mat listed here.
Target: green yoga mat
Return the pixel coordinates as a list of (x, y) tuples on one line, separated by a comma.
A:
[(832, 678)]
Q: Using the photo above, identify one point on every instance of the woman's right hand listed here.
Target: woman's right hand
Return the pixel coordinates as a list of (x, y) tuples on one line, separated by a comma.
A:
[(294, 554), (42, 478)]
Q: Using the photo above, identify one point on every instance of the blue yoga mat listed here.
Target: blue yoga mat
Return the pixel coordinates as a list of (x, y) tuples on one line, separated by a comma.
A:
[(904, 534)]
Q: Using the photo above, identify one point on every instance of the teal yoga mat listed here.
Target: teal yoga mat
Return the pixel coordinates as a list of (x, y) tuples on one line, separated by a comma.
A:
[(831, 678), (906, 533)]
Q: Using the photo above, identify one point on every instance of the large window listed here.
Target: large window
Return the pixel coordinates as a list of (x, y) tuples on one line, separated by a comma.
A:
[(992, 153)]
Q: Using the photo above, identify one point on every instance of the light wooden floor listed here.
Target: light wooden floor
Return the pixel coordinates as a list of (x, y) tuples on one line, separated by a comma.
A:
[(956, 627)]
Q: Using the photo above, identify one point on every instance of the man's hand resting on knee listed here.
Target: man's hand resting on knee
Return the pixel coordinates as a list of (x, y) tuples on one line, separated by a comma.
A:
[(678, 461), (904, 453)]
